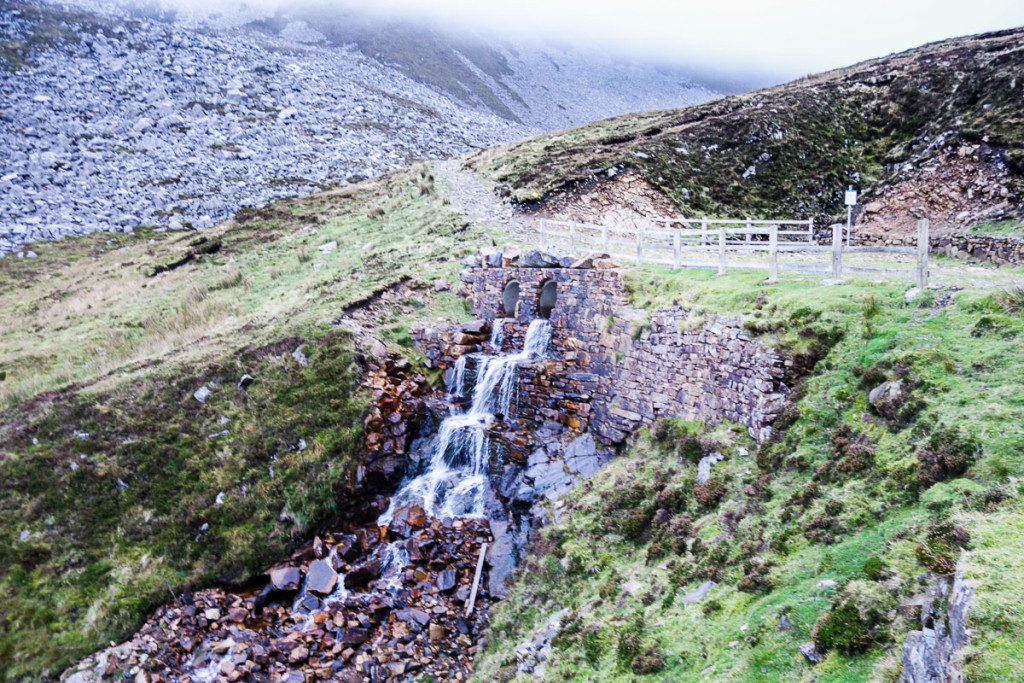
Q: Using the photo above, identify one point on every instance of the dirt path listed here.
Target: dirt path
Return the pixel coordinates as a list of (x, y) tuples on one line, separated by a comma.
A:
[(478, 200)]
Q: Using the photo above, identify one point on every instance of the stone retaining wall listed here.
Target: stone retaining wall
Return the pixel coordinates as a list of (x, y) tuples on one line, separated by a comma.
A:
[(615, 369), (998, 249)]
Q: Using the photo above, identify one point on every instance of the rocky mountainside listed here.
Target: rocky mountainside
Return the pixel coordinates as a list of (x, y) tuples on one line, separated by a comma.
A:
[(114, 123), (931, 131), (114, 119)]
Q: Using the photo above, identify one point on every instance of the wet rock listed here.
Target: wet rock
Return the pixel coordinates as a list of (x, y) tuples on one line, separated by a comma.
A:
[(407, 518), (363, 574), (353, 636), (413, 615), (581, 456), (321, 578), (446, 580), (346, 551), (501, 558)]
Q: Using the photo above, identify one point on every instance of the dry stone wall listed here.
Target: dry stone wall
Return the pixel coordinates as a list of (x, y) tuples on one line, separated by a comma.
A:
[(998, 249), (615, 369)]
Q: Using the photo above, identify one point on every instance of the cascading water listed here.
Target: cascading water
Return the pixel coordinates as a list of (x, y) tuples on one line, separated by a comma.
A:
[(497, 335), (454, 483)]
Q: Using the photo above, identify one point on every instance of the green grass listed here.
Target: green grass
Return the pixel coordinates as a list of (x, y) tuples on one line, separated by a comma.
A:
[(98, 363), (799, 510), (110, 500), (87, 312), (1012, 227)]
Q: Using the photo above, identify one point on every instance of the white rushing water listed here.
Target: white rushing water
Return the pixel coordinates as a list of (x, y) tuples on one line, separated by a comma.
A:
[(454, 483)]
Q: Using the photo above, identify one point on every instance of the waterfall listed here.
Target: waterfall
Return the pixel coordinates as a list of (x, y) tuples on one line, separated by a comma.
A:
[(497, 334), (456, 478), (458, 379)]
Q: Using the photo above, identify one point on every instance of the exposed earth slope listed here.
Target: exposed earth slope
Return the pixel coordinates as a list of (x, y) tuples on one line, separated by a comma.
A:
[(931, 131)]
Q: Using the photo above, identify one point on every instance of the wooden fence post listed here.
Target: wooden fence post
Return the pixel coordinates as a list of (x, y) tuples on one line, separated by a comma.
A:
[(703, 231), (923, 226), (750, 227), (675, 249), (721, 250), (773, 254), (639, 245), (810, 231), (572, 238), (604, 238), (837, 252)]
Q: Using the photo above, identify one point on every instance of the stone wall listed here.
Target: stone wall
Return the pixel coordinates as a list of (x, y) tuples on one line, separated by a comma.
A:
[(998, 249), (615, 369), (665, 369)]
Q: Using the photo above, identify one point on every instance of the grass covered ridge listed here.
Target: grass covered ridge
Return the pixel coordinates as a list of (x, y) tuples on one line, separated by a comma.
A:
[(790, 151), (868, 497), (119, 488)]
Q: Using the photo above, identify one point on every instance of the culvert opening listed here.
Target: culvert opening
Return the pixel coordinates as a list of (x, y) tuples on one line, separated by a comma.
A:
[(548, 296), (510, 299)]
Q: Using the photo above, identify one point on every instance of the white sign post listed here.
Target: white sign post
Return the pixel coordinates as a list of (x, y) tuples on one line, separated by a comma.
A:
[(851, 200)]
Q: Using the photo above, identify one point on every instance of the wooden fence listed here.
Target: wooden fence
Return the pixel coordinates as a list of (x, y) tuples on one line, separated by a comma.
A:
[(666, 241)]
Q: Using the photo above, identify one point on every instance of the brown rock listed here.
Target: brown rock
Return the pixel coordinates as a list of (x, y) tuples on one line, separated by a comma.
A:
[(436, 632), (299, 654), (361, 575)]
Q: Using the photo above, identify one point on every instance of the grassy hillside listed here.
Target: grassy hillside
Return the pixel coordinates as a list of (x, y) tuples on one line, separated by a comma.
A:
[(791, 150), (867, 499), (121, 489)]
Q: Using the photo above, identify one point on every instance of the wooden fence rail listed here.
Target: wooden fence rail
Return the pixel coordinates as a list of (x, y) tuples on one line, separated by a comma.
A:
[(649, 243)]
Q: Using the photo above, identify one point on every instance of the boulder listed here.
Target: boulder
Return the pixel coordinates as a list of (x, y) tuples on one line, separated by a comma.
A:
[(345, 551), (285, 578), (245, 381), (536, 258), (501, 558), (704, 466), (581, 456), (808, 651), (361, 575), (321, 578)]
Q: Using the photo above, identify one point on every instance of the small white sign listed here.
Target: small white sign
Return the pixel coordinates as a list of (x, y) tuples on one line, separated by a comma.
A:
[(851, 197)]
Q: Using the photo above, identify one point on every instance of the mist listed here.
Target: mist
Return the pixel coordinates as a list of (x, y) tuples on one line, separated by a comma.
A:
[(785, 38)]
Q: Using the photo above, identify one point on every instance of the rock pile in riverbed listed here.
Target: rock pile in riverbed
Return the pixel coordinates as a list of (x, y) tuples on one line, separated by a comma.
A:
[(346, 623)]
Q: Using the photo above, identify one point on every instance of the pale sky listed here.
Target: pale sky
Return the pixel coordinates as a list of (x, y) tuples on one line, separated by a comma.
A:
[(787, 37)]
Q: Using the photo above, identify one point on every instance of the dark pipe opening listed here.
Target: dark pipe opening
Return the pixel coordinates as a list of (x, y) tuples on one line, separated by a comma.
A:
[(548, 295), (510, 298)]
